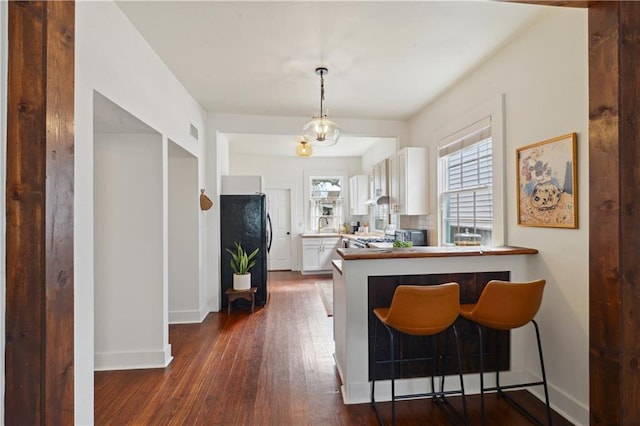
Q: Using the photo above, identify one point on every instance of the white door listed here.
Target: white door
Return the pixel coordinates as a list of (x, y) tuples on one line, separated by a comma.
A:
[(279, 208)]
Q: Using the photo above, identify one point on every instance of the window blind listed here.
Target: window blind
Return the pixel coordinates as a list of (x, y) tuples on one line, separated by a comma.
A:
[(465, 138), (467, 182)]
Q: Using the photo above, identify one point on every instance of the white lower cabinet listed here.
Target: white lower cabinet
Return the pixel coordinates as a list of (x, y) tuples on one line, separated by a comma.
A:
[(311, 254), (317, 253), (328, 252)]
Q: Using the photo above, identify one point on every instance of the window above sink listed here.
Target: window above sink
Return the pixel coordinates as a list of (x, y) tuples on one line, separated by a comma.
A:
[(326, 187), (325, 203)]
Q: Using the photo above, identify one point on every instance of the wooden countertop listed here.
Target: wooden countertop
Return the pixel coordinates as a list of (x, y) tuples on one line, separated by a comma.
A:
[(336, 234), (430, 251), (337, 264), (320, 235)]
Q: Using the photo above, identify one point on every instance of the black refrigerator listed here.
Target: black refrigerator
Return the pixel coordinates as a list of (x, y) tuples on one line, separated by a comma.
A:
[(244, 218)]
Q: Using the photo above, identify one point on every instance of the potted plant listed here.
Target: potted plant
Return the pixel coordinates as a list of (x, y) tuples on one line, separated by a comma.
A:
[(241, 263)]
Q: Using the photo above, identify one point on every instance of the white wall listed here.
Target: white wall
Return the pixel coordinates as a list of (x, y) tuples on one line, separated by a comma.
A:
[(186, 301), (128, 250), (113, 59), (378, 153), (544, 76)]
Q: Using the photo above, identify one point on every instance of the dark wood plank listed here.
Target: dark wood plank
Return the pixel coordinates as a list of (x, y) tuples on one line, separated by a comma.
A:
[(381, 289), (629, 146), (25, 212), (59, 348), (614, 154), (40, 141), (604, 206), (272, 367)]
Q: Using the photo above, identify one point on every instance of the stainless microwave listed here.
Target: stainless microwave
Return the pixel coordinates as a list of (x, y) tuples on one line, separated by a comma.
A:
[(417, 236)]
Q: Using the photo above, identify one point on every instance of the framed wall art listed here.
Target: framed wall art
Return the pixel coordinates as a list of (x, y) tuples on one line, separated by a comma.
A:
[(547, 183)]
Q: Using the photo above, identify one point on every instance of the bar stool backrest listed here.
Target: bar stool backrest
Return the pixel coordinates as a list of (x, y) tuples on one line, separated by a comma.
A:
[(506, 305), (424, 310)]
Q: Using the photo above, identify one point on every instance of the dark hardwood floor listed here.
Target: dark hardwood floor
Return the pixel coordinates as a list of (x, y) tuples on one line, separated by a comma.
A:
[(272, 367)]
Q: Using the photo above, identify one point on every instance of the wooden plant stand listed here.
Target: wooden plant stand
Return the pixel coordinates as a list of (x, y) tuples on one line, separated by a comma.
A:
[(248, 294)]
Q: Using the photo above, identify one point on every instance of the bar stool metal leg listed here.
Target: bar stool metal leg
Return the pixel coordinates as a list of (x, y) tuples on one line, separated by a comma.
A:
[(392, 365), (481, 373), (393, 377), (544, 374), (442, 394), (443, 357), (433, 352), (373, 379), (373, 376), (464, 397), (500, 389)]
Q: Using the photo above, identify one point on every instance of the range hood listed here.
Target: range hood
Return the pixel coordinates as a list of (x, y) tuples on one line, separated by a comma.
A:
[(380, 199)]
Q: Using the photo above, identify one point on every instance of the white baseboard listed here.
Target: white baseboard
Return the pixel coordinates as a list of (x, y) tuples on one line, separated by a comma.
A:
[(204, 311), (318, 272), (572, 410), (104, 361), (188, 317)]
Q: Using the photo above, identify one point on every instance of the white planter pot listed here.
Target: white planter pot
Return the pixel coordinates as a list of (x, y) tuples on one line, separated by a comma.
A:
[(242, 282)]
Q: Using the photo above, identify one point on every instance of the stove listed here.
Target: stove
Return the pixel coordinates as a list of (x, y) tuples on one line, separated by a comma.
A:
[(363, 242), (377, 240)]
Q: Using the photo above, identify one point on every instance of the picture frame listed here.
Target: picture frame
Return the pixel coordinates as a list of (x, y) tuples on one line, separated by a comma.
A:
[(547, 184)]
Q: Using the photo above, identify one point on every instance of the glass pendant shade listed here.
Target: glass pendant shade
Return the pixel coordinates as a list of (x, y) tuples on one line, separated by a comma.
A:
[(321, 131), (304, 149)]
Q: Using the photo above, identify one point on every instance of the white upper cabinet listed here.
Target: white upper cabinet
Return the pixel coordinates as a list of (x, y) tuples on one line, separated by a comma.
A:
[(358, 195), (409, 182), (379, 179), (393, 183)]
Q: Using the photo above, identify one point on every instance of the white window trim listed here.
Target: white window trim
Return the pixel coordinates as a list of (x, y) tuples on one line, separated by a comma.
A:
[(464, 124)]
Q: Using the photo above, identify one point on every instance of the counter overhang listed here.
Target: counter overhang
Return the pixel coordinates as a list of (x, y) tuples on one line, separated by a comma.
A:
[(431, 251)]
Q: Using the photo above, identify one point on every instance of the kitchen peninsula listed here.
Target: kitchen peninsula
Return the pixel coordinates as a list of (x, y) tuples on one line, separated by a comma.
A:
[(366, 278), (319, 248)]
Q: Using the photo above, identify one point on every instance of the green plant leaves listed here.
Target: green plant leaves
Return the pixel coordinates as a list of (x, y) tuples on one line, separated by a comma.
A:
[(241, 262), (403, 243)]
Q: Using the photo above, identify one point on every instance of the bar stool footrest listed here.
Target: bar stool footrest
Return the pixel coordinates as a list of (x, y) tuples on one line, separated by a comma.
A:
[(516, 386), (521, 409), (428, 395)]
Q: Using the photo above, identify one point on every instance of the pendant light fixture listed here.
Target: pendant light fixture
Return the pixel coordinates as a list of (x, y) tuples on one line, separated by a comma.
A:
[(304, 149), (321, 131)]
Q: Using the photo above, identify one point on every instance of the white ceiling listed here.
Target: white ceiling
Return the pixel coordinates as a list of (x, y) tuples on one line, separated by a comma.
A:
[(386, 60)]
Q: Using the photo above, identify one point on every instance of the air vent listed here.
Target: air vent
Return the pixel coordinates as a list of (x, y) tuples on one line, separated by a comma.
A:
[(193, 131)]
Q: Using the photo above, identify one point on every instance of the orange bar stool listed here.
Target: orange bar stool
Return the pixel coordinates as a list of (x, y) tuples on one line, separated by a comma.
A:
[(505, 306), (419, 311)]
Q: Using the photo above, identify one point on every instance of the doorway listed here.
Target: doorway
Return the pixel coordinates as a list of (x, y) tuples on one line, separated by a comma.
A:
[(279, 208), (186, 295), (130, 319)]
